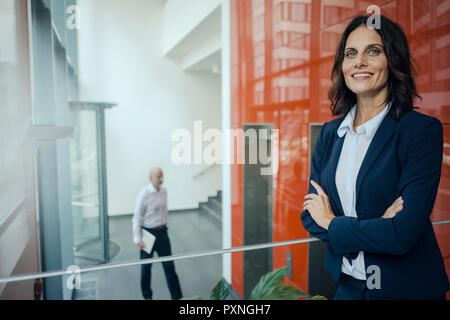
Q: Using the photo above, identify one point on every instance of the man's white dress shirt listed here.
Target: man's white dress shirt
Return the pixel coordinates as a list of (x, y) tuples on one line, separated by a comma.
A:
[(353, 152), (150, 210)]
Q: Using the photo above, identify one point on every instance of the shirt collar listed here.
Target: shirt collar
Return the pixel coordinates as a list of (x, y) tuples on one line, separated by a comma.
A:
[(152, 188), (369, 127)]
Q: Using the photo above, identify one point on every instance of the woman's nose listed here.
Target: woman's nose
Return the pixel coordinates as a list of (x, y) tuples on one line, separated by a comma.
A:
[(360, 61)]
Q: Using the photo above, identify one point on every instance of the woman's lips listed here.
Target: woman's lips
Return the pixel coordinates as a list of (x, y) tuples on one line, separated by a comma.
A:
[(362, 76)]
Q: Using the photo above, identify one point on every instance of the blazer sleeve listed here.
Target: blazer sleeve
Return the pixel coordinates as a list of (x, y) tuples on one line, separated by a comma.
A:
[(308, 223), (418, 185)]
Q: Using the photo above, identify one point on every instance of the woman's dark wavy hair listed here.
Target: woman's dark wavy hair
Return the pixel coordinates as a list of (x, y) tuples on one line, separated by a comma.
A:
[(401, 87)]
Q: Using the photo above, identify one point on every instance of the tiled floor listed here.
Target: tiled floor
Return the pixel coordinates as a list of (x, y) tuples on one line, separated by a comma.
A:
[(190, 231)]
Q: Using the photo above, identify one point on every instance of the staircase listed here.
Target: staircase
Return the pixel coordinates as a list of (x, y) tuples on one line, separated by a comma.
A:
[(213, 208)]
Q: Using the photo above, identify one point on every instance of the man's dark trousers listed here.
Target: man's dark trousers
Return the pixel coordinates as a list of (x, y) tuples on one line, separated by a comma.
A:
[(162, 247)]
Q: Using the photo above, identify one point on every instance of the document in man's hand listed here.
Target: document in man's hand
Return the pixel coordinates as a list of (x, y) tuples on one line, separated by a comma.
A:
[(148, 239)]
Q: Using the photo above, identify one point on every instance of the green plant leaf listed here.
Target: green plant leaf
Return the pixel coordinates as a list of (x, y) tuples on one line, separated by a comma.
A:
[(220, 291), (317, 298), (267, 283), (196, 297), (282, 292), (270, 287)]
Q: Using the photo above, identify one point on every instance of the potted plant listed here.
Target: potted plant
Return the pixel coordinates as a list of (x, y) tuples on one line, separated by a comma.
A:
[(269, 287)]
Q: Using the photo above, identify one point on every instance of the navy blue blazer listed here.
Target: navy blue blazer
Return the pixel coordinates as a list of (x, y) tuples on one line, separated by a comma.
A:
[(403, 159)]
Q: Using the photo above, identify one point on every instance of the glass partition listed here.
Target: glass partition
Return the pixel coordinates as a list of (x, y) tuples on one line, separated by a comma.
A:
[(89, 233)]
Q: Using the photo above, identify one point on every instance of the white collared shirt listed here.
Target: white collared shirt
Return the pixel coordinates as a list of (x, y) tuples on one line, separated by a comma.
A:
[(150, 210), (353, 152)]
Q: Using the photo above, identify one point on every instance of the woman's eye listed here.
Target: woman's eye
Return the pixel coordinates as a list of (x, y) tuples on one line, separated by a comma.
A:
[(350, 54), (374, 52)]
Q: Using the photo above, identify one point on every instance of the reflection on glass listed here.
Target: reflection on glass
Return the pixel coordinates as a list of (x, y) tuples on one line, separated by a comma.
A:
[(14, 116), (88, 243)]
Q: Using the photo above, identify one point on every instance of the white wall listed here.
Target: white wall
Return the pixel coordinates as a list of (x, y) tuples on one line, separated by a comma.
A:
[(181, 16), (121, 61)]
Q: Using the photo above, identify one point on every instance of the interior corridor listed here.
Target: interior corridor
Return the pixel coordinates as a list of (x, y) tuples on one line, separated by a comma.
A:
[(189, 231)]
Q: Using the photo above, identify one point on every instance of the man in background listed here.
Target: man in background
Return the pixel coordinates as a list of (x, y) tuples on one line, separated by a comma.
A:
[(151, 214)]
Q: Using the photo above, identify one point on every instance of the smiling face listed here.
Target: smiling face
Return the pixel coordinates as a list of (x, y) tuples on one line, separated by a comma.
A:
[(365, 66)]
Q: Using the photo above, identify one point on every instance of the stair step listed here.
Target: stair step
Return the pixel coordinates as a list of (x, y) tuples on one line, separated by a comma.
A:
[(216, 205), (210, 212)]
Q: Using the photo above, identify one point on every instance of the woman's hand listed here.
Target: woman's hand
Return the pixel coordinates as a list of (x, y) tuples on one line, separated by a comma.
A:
[(395, 208), (318, 206)]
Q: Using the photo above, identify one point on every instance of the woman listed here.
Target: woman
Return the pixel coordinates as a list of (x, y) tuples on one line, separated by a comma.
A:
[(375, 173)]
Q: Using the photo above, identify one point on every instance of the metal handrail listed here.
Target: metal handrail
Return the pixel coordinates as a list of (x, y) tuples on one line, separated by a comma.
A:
[(84, 204), (153, 260), (164, 259)]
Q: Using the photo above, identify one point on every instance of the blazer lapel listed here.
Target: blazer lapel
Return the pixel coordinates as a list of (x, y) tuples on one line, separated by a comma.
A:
[(380, 139), (331, 175)]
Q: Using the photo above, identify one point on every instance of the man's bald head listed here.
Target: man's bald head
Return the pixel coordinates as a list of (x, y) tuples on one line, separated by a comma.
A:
[(156, 177)]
